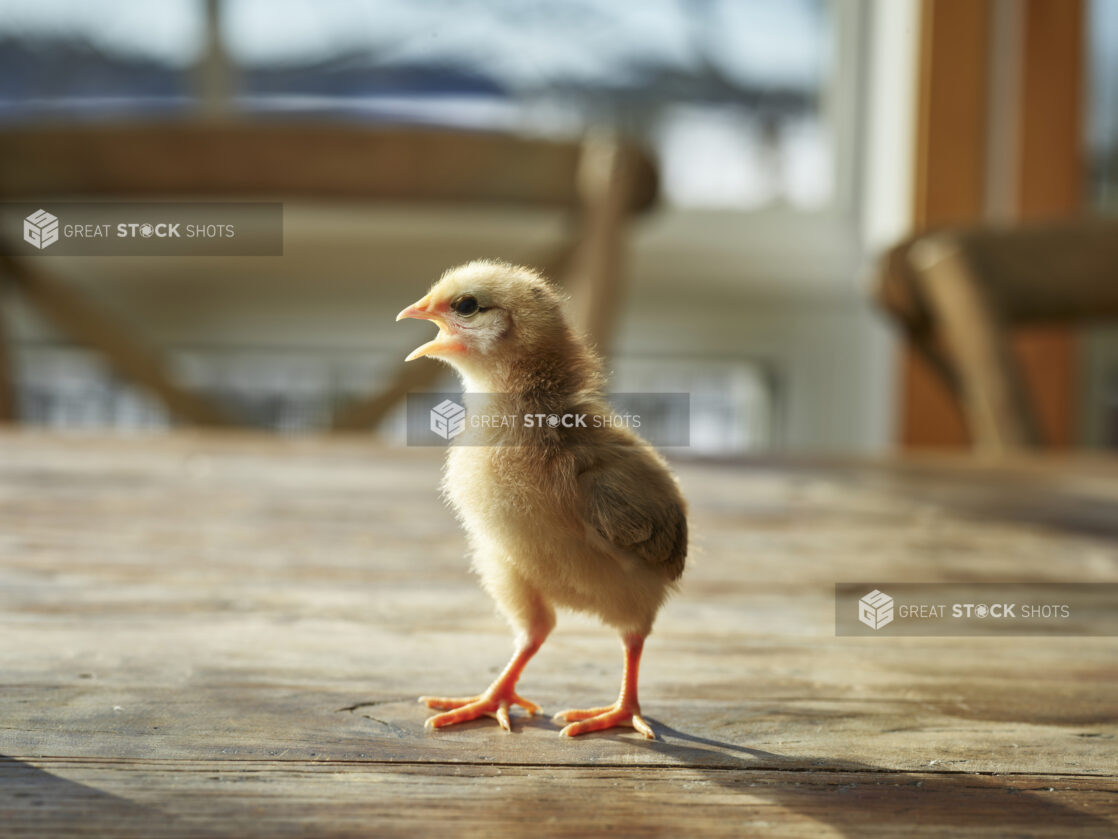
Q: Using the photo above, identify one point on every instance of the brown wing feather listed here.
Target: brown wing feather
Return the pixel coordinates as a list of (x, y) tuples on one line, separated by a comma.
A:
[(635, 506)]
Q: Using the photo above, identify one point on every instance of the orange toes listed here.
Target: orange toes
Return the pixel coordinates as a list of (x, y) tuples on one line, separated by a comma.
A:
[(599, 719), (531, 707), (481, 707), (576, 715), (644, 728), (465, 709), (443, 703)]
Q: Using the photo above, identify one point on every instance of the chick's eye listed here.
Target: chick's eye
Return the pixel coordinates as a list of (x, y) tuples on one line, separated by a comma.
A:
[(466, 305)]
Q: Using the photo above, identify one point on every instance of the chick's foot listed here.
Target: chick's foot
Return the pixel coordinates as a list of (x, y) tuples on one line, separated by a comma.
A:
[(599, 719), (495, 702)]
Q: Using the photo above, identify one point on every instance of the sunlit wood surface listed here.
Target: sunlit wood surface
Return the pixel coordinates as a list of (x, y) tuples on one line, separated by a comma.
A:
[(225, 636)]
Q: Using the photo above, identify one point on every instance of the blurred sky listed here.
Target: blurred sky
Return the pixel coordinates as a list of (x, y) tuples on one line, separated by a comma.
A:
[(169, 30)]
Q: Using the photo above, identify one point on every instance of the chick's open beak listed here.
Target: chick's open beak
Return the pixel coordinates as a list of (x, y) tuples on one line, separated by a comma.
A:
[(445, 341)]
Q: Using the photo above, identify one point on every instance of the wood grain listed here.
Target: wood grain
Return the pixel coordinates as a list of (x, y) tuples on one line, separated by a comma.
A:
[(224, 635), (321, 799)]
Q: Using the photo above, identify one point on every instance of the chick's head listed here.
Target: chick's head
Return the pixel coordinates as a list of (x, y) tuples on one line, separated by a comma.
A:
[(490, 315)]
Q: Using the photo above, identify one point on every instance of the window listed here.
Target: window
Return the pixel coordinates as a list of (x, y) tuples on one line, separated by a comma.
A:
[(1102, 104), (1100, 411), (73, 58), (732, 95), (754, 109)]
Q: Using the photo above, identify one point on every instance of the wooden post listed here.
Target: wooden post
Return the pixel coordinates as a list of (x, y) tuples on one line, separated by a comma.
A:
[(1049, 184), (1050, 162), (950, 175), (953, 160), (214, 70)]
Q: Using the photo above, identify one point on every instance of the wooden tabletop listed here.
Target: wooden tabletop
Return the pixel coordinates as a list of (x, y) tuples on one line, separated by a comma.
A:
[(226, 636)]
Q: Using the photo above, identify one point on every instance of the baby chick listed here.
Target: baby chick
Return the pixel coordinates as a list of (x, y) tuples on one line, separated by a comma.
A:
[(586, 518)]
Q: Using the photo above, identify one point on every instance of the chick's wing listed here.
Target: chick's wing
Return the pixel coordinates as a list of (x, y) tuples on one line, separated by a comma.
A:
[(632, 503)]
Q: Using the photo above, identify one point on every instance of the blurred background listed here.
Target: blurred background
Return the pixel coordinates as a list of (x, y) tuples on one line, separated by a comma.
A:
[(791, 143)]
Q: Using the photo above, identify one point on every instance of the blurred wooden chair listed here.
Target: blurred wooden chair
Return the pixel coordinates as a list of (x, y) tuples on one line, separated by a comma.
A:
[(601, 182), (958, 293)]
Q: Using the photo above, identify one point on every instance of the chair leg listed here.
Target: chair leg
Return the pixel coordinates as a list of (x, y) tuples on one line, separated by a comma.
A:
[(991, 386), (596, 282), (8, 409), (91, 328), (368, 411)]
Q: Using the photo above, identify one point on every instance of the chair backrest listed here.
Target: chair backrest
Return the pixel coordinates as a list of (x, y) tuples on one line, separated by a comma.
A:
[(957, 294), (288, 160), (1054, 272), (1037, 273)]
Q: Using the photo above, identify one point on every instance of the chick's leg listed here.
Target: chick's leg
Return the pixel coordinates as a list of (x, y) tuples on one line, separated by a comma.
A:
[(496, 699), (625, 711), (537, 618)]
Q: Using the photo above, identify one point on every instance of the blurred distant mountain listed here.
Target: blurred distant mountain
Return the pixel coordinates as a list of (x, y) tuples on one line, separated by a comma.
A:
[(50, 68), (36, 73)]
